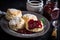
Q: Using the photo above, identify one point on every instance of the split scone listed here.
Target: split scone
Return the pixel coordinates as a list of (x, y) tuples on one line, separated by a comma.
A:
[(11, 13), (16, 23), (34, 25)]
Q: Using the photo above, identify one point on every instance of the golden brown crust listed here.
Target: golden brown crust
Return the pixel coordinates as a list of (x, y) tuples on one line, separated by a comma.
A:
[(27, 17), (11, 13), (15, 12)]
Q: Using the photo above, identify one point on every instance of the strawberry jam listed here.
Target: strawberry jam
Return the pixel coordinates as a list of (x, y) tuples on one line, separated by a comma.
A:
[(31, 24), (49, 7), (34, 24), (24, 31)]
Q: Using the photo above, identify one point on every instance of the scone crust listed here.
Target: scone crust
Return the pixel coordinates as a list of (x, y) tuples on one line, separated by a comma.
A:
[(11, 13)]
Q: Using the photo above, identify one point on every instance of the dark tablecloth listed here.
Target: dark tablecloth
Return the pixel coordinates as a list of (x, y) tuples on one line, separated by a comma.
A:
[(20, 4)]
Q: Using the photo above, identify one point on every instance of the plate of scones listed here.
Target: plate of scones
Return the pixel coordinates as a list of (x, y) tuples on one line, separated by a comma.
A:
[(24, 24)]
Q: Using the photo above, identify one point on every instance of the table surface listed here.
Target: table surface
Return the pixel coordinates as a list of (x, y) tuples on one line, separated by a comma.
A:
[(22, 6)]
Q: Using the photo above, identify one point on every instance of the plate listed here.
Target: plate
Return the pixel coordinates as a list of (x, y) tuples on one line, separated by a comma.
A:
[(4, 25)]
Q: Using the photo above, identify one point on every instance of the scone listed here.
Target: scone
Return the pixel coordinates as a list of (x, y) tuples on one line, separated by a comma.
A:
[(16, 23), (11, 13), (34, 26), (27, 17)]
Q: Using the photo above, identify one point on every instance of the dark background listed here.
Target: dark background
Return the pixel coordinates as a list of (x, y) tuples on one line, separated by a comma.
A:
[(21, 4)]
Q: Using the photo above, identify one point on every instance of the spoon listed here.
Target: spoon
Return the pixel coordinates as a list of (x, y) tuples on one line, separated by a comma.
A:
[(55, 23)]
